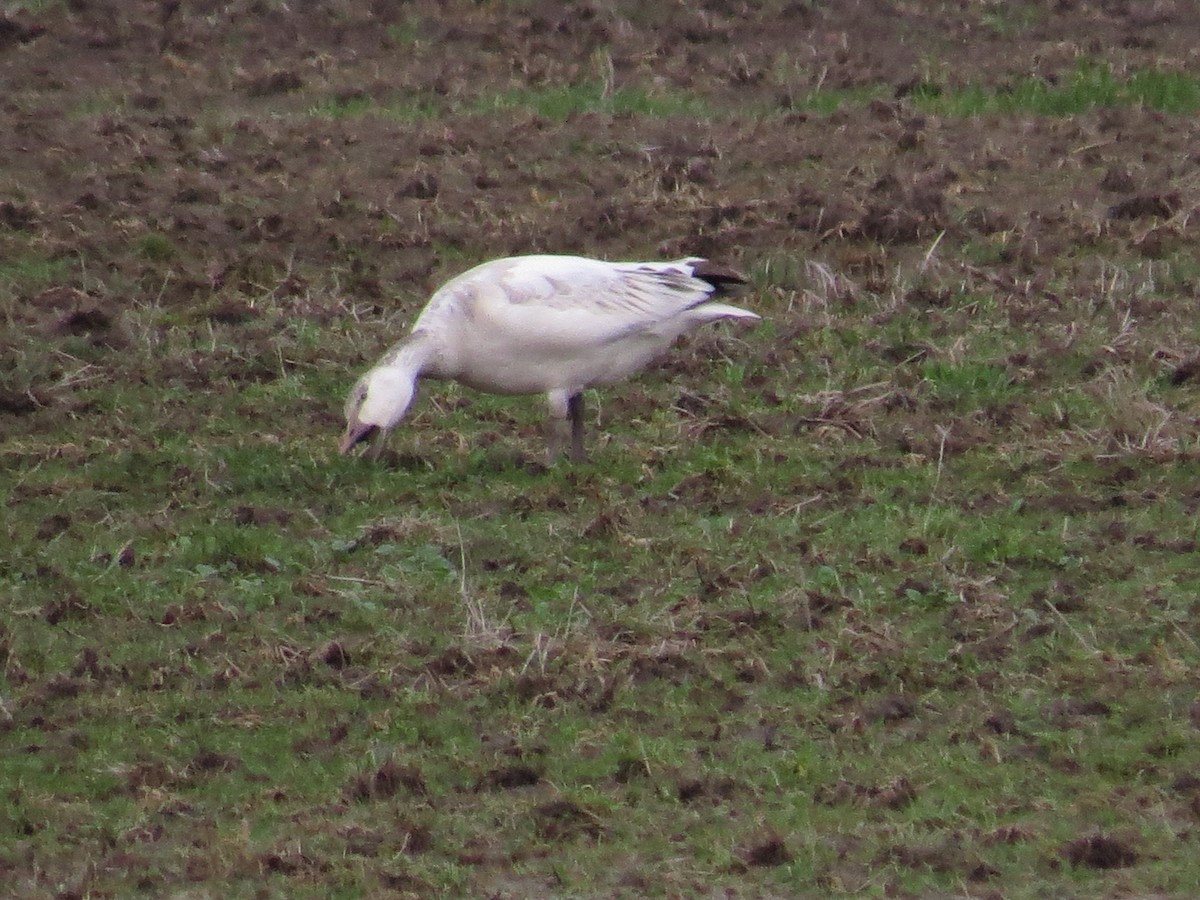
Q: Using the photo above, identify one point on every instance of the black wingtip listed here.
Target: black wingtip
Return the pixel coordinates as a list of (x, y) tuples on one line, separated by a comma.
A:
[(723, 279)]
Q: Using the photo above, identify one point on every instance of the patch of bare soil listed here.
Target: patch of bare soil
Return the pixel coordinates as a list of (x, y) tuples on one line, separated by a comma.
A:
[(387, 780), (1099, 851), (565, 820), (120, 144)]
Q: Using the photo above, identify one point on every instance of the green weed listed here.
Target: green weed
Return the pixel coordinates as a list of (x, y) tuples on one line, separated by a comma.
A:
[(154, 247)]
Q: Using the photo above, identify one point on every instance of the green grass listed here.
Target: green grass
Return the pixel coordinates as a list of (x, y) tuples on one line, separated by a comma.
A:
[(557, 103), (656, 665), (892, 595), (1091, 86), (30, 271), (825, 101)]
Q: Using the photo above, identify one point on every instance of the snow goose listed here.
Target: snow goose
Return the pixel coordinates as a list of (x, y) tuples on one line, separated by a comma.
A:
[(541, 324)]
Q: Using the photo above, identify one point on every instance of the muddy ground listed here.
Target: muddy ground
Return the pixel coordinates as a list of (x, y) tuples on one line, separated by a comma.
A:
[(186, 122), (190, 155)]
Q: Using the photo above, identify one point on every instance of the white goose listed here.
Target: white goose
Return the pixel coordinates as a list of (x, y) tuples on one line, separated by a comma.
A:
[(533, 324)]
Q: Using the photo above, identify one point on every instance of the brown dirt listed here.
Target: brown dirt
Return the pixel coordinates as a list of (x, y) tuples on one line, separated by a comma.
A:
[(1098, 851), (112, 135)]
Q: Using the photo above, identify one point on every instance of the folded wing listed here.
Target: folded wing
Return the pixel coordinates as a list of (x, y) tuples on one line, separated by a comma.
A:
[(553, 305)]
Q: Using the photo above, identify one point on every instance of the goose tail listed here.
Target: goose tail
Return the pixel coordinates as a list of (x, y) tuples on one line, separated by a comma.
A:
[(715, 311)]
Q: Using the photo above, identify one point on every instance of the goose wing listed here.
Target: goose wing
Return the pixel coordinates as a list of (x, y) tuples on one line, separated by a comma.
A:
[(566, 300), (625, 293)]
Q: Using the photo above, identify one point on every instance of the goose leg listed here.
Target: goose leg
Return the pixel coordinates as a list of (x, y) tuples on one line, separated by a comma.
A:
[(381, 439), (575, 409), (556, 427)]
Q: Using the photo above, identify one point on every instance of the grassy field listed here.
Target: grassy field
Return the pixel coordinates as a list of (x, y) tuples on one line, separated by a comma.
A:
[(892, 595)]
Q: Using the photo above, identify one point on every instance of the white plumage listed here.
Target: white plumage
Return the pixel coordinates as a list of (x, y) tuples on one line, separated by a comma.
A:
[(541, 324)]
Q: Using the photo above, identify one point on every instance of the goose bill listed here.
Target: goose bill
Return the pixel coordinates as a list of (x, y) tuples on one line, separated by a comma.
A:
[(355, 435)]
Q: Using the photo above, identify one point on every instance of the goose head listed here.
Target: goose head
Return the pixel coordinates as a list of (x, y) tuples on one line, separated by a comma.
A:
[(376, 405)]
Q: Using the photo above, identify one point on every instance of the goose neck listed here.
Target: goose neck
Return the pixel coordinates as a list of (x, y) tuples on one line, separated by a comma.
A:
[(412, 355)]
